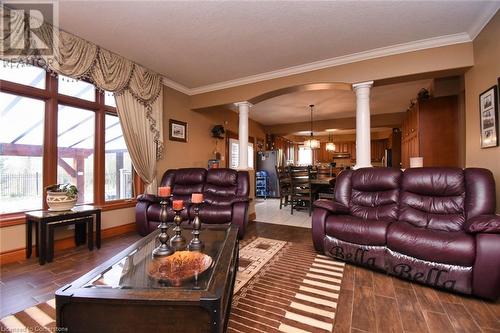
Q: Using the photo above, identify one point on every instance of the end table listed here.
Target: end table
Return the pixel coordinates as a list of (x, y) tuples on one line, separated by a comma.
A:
[(45, 221)]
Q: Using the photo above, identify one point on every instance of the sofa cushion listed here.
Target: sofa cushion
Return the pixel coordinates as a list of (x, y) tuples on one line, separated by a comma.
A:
[(433, 198), (357, 230), (221, 186), (185, 182), (375, 193), (445, 247), (215, 214), (153, 213)]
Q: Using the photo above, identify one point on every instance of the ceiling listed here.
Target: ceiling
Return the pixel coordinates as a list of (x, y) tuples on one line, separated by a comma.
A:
[(202, 44), (334, 104)]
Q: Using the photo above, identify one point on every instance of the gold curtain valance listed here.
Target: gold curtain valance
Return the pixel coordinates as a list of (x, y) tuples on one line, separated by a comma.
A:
[(78, 58)]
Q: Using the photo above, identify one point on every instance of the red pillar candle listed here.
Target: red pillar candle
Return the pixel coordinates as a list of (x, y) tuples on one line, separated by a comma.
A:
[(164, 191), (197, 198), (177, 204)]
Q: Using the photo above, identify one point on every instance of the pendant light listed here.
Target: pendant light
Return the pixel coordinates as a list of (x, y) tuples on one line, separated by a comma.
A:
[(312, 142), (330, 146)]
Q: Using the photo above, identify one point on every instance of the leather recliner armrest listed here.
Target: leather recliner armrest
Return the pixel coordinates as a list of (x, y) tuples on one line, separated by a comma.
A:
[(483, 224), (332, 206), (148, 198), (239, 199)]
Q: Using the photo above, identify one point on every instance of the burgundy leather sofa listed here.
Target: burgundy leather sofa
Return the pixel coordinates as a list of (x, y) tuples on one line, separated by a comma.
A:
[(225, 193), (430, 225)]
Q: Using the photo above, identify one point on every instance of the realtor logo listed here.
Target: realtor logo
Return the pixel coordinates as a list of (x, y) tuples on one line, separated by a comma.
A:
[(28, 28)]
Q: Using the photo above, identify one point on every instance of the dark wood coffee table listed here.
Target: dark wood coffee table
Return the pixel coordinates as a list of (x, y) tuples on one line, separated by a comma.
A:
[(119, 296)]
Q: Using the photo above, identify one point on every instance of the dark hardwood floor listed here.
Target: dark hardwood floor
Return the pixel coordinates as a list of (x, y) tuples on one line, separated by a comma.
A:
[(369, 301)]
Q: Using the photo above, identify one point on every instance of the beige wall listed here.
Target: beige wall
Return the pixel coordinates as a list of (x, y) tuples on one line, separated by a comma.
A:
[(482, 76), (200, 146), (405, 64), (13, 238)]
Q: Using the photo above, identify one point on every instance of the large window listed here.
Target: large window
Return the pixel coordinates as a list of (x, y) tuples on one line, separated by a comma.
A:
[(75, 150), (305, 155), (118, 164), (55, 129), (22, 74), (76, 88), (21, 137)]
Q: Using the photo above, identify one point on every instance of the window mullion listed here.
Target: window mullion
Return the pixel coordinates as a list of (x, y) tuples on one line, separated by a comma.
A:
[(99, 160), (50, 157)]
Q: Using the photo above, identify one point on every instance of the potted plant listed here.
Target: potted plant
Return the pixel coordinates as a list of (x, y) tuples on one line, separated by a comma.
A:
[(61, 196)]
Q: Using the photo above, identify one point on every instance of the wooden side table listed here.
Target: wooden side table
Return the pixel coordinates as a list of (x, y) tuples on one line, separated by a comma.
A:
[(45, 221)]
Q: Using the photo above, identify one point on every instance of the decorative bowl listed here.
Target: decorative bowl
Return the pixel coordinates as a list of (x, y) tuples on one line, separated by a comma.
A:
[(59, 201), (180, 266)]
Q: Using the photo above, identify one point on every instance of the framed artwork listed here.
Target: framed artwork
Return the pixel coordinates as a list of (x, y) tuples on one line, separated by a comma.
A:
[(177, 130), (488, 113)]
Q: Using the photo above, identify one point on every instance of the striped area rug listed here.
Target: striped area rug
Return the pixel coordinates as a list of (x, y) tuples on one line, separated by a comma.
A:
[(280, 287), (295, 291)]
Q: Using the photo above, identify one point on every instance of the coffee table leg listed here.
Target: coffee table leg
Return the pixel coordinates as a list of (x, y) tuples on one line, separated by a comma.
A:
[(98, 229), (90, 233), (43, 242), (50, 246), (29, 237), (37, 238)]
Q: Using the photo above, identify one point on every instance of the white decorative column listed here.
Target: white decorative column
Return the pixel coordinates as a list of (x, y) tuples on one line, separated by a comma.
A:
[(363, 143), (243, 109)]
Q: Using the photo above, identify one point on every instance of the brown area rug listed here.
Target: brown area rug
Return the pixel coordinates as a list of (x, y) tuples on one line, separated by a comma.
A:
[(280, 287)]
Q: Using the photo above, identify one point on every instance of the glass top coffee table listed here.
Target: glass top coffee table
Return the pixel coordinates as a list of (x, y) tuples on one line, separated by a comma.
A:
[(121, 295)]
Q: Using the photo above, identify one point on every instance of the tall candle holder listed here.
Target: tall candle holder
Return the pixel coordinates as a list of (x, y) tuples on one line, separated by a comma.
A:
[(164, 249), (196, 244), (178, 242)]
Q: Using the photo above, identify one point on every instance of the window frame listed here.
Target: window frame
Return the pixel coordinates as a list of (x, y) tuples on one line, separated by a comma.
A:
[(52, 100)]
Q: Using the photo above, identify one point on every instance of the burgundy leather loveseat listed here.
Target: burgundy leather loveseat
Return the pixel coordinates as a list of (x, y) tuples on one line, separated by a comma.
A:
[(430, 225), (225, 192)]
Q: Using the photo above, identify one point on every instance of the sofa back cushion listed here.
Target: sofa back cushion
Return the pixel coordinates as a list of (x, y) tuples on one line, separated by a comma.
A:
[(375, 193), (480, 192), (343, 187), (433, 198), (221, 186), (185, 181)]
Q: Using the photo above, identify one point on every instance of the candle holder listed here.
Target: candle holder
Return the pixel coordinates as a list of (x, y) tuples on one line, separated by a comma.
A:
[(196, 244), (178, 242), (164, 249)]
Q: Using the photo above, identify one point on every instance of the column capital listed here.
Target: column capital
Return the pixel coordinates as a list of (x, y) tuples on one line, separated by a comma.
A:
[(243, 103), (367, 84)]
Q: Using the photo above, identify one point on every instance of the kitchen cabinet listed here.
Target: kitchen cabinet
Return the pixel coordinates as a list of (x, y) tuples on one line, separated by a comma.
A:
[(430, 130)]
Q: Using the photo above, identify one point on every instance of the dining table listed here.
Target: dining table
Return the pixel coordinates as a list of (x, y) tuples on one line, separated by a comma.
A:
[(322, 180)]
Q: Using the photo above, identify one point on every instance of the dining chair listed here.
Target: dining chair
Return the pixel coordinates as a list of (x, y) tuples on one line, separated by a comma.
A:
[(301, 194), (283, 185)]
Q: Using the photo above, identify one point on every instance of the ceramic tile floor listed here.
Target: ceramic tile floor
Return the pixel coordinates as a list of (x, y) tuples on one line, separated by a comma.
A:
[(268, 211)]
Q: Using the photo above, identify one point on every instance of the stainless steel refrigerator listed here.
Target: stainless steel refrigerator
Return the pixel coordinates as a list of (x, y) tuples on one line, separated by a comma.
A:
[(267, 161)]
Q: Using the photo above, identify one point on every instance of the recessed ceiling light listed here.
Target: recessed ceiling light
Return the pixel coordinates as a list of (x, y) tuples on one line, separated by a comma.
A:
[(331, 130)]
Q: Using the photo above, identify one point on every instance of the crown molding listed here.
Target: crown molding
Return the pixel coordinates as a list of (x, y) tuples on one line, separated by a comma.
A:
[(482, 20), (332, 62), (176, 86)]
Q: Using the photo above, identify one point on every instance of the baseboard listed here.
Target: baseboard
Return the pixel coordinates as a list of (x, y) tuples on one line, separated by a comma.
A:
[(65, 243), (252, 216)]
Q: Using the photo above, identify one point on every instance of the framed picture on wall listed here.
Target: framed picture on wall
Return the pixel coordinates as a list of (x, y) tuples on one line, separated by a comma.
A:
[(177, 130), (488, 113)]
